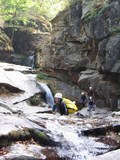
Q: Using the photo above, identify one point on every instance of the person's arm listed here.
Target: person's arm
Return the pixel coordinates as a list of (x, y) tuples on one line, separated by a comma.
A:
[(66, 110), (54, 108)]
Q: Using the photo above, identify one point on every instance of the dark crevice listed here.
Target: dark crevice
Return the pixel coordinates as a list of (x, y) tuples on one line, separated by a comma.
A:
[(101, 130), (5, 88), (75, 42)]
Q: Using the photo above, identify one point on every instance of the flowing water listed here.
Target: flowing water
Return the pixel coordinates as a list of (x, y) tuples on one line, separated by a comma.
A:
[(30, 61), (74, 146), (67, 131)]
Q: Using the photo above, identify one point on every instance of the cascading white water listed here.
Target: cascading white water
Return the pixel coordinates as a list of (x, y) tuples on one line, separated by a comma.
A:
[(67, 132), (74, 146), (49, 96)]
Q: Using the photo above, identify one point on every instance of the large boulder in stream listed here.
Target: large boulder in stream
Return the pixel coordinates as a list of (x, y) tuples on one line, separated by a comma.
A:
[(105, 91), (14, 85), (21, 138), (111, 155)]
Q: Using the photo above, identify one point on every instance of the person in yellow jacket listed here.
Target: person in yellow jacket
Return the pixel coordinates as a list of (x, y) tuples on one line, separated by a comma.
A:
[(63, 105)]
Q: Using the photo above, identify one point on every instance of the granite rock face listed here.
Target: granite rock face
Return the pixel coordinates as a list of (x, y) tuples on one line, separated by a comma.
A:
[(85, 37)]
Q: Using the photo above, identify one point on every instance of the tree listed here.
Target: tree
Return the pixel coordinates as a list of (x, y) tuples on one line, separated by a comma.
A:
[(15, 11)]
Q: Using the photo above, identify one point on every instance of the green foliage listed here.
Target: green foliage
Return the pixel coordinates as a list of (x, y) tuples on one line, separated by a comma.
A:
[(34, 101), (42, 76), (39, 136), (96, 7), (16, 11), (42, 136), (90, 15), (51, 8), (115, 29)]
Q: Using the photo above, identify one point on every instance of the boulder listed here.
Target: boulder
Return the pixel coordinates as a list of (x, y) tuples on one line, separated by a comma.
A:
[(110, 155), (108, 55), (84, 37), (103, 20), (17, 84)]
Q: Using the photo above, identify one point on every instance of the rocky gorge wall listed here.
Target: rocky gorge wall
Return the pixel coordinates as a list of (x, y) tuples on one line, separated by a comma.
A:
[(6, 48), (82, 49), (84, 46), (18, 44)]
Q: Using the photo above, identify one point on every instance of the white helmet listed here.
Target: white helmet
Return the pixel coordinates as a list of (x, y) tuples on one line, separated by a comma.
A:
[(82, 93), (90, 98), (58, 95), (90, 87)]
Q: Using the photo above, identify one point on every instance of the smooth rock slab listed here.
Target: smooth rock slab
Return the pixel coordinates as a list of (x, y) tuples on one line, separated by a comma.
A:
[(108, 156), (9, 123), (10, 66), (24, 152), (19, 81)]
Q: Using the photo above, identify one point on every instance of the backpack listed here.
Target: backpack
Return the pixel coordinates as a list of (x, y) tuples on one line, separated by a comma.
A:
[(72, 108)]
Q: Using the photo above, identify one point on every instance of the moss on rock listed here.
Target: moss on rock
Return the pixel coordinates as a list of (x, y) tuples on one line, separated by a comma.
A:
[(5, 43)]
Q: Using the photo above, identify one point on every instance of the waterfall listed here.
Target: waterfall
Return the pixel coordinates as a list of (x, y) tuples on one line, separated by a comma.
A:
[(49, 96), (30, 61), (24, 60), (74, 146)]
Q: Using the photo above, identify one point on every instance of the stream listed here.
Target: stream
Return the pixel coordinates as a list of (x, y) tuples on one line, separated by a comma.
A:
[(66, 131)]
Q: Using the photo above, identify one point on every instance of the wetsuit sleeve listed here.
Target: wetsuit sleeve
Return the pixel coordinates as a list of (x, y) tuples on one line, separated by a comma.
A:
[(63, 109), (54, 108)]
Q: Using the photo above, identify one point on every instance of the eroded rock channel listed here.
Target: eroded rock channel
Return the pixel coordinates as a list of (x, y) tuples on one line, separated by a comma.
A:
[(31, 132)]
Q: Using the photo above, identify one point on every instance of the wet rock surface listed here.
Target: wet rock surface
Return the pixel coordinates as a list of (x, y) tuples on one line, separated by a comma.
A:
[(107, 156), (30, 131)]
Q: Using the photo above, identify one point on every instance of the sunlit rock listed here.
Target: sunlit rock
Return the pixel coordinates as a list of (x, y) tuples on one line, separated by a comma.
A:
[(111, 155), (11, 123), (19, 83), (21, 151)]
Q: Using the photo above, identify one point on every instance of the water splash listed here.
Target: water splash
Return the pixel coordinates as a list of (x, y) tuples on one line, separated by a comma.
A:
[(74, 146)]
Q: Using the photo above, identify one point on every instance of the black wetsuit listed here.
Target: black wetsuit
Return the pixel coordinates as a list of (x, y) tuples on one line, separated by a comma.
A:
[(83, 98), (61, 107)]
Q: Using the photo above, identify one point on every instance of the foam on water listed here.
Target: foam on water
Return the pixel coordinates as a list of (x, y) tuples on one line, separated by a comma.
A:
[(73, 145)]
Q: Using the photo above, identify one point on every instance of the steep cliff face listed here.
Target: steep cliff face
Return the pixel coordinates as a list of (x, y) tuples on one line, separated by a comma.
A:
[(85, 40)]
